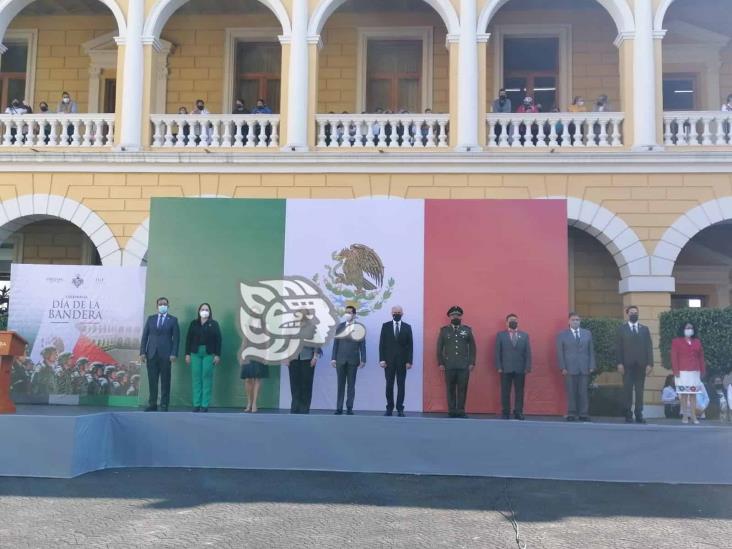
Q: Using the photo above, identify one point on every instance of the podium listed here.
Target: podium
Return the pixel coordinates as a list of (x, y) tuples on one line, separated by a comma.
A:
[(11, 345)]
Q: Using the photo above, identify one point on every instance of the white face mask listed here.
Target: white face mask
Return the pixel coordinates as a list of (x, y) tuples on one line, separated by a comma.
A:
[(689, 332), (348, 317), (66, 99), (205, 314)]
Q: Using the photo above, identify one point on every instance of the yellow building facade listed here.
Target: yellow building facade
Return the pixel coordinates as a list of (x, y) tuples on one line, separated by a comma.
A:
[(647, 179)]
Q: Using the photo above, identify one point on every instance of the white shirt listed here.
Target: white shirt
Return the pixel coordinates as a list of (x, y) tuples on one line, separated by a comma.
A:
[(634, 327)]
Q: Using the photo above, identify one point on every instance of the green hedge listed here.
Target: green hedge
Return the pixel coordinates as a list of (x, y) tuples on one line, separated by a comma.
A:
[(714, 328), (603, 334)]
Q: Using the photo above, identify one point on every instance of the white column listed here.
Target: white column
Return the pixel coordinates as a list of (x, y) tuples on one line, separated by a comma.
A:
[(644, 71), (132, 89), (297, 95), (467, 103)]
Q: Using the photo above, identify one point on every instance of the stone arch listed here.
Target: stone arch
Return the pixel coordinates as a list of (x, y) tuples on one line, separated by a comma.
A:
[(618, 10), (164, 9), (686, 227), (326, 8), (16, 213), (9, 9), (612, 231), (136, 248), (661, 14)]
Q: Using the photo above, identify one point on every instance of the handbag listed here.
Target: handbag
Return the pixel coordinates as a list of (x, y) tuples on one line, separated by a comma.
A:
[(702, 400)]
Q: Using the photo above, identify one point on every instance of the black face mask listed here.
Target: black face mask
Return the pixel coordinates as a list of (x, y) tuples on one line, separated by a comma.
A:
[(455, 321), (718, 386), (633, 318), (397, 317), (44, 109), (199, 107), (513, 324)]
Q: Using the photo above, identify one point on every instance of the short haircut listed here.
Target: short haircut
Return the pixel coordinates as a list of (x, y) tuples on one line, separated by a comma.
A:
[(573, 313), (158, 300), (511, 315), (351, 308), (629, 307)]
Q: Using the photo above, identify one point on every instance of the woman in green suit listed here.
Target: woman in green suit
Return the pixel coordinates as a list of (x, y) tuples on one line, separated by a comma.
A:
[(203, 351)]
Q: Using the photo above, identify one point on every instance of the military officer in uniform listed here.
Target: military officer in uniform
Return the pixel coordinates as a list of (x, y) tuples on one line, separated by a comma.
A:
[(456, 357), (64, 377), (43, 381)]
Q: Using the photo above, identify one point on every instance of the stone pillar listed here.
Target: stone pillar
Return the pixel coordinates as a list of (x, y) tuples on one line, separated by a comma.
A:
[(645, 105), (298, 71), (133, 83), (467, 93)]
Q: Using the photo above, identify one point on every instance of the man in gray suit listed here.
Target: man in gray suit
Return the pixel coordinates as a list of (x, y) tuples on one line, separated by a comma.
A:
[(634, 350), (349, 354), (576, 354), (513, 362)]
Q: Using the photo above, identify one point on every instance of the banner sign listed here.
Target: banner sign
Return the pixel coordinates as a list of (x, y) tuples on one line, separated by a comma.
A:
[(83, 326)]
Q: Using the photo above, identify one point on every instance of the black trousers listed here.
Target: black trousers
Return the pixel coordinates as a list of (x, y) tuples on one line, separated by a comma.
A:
[(517, 380), (396, 373), (301, 386), (346, 376), (634, 378), (456, 381), (158, 368)]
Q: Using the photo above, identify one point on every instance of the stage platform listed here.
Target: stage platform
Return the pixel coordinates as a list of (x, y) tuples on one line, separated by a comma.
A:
[(63, 442)]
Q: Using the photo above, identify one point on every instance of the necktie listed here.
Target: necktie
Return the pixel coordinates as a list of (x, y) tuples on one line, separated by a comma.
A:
[(513, 338), (396, 330), (577, 335), (635, 329), (160, 320)]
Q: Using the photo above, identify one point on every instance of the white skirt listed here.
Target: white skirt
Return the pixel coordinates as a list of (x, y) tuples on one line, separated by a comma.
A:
[(688, 383)]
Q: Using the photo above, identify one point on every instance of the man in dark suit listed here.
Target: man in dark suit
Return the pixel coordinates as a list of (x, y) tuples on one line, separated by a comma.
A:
[(396, 349), (513, 362), (159, 348), (349, 354), (634, 356), (576, 354), (456, 357)]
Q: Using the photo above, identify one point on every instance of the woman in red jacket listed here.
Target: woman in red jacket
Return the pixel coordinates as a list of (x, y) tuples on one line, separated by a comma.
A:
[(687, 362)]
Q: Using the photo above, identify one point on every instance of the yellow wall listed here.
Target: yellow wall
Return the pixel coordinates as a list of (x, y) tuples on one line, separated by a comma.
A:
[(197, 62), (595, 65), (53, 242), (338, 58), (61, 64), (596, 277)]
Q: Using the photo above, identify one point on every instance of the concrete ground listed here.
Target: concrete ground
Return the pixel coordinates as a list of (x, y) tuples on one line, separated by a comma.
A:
[(181, 508)]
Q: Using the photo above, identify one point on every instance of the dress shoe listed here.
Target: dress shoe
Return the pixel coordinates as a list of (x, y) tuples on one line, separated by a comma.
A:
[(338, 413), (505, 416), (628, 420), (571, 418), (585, 419), (151, 409), (463, 416), (196, 408), (518, 416), (640, 420), (163, 408), (349, 412), (388, 413), (400, 413), (204, 409), (452, 414)]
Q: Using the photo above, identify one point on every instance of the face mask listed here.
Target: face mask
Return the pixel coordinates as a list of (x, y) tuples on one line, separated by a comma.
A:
[(688, 332), (44, 108), (455, 321), (513, 324), (205, 314), (162, 309), (397, 317), (16, 104), (502, 97), (199, 107), (718, 386), (66, 99), (348, 317), (633, 318), (240, 107)]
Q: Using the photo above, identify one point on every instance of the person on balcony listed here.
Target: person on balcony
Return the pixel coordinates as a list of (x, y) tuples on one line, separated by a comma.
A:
[(262, 108), (688, 365), (17, 108), (202, 110), (528, 106), (503, 103), (578, 104), (239, 107), (602, 104), (66, 105), (184, 129)]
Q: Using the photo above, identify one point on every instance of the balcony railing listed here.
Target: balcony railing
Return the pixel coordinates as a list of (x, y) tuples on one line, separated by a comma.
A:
[(56, 130), (197, 131), (393, 131), (697, 128), (556, 130)]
